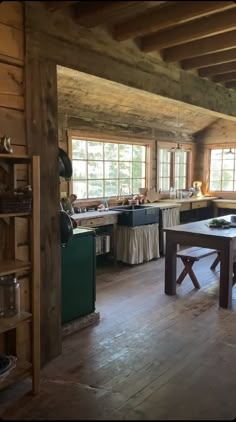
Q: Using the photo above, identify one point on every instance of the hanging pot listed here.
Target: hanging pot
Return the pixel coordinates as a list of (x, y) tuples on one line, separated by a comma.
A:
[(65, 166), (66, 228)]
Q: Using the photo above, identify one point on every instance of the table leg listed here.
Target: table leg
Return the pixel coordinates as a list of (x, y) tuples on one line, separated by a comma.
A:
[(170, 264), (226, 273)]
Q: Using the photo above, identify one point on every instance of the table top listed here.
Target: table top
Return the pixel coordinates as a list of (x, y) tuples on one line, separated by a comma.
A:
[(201, 227)]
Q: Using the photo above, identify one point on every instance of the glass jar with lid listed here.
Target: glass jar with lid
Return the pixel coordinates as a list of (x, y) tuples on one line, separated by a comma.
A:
[(9, 296)]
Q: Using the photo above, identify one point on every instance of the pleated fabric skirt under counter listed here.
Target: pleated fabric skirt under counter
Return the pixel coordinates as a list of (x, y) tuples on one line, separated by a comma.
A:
[(135, 245)]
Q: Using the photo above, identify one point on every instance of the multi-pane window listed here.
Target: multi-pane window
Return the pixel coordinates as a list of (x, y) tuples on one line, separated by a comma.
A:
[(173, 169), (106, 169), (223, 169)]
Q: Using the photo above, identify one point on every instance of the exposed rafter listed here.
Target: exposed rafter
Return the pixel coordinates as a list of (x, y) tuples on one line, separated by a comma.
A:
[(218, 69), (54, 6), (231, 84), (200, 28), (209, 59), (231, 76), (104, 12), (200, 47), (174, 14)]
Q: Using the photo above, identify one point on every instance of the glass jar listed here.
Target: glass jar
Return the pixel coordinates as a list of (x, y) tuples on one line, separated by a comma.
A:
[(9, 296)]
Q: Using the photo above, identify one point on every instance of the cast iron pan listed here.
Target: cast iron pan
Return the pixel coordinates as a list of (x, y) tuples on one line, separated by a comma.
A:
[(65, 166), (66, 228)]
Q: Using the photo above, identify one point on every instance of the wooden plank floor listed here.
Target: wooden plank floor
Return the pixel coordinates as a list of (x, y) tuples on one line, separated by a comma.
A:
[(151, 356)]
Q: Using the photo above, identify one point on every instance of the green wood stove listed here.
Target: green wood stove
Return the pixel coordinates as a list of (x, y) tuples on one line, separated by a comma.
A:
[(78, 275)]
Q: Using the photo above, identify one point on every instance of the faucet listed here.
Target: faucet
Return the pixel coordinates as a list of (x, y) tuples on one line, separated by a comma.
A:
[(121, 188)]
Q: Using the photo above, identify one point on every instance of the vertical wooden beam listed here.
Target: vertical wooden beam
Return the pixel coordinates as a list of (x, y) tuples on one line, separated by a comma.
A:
[(42, 133)]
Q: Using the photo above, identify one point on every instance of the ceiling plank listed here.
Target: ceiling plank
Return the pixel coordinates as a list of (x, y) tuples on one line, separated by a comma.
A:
[(200, 47), (218, 69), (231, 76), (197, 29), (174, 14), (54, 6), (230, 84), (209, 59), (93, 13)]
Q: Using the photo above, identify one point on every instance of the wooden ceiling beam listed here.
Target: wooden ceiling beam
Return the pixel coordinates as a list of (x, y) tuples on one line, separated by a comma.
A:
[(200, 47), (93, 13), (231, 84), (173, 14), (225, 77), (209, 59), (197, 29), (218, 69), (54, 6)]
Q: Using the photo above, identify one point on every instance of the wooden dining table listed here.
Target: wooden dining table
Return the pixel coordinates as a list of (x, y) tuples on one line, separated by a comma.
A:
[(201, 235)]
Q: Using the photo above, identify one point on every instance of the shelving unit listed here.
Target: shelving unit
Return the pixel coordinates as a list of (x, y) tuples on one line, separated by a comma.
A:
[(29, 269)]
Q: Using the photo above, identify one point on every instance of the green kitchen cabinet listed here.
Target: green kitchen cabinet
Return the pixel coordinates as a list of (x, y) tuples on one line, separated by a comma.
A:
[(78, 275)]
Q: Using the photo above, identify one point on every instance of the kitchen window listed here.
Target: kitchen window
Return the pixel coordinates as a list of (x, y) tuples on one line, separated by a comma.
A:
[(222, 170), (174, 169), (107, 168)]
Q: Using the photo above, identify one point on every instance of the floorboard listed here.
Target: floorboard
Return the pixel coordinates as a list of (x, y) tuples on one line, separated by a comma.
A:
[(150, 357)]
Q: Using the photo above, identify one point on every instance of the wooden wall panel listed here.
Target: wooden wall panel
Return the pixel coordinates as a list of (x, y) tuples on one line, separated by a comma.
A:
[(13, 43), (12, 124), (11, 86), (11, 14)]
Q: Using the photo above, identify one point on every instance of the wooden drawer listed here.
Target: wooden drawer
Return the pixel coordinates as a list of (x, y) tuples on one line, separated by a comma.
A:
[(200, 204), (185, 206), (98, 221)]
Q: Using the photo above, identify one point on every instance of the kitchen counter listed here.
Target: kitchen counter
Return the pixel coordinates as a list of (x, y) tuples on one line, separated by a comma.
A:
[(163, 204), (191, 199), (93, 214)]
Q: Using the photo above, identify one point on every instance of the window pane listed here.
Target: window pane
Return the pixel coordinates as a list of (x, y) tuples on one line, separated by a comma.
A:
[(165, 183), (216, 154), (125, 152), (79, 149), (95, 150), (95, 169), (79, 169), (111, 170), (111, 151), (181, 157), (125, 169), (95, 188), (111, 187), (227, 185), (180, 183), (165, 170), (215, 174), (139, 152), (164, 156), (138, 183), (180, 170), (138, 169), (80, 189), (215, 185)]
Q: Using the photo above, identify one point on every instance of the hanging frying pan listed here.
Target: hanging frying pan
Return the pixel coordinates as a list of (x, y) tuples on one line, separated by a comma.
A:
[(65, 166), (66, 227)]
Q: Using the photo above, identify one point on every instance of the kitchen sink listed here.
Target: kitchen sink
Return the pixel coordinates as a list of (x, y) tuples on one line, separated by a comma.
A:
[(136, 215)]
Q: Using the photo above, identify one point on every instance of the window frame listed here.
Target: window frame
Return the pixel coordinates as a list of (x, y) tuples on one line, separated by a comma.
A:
[(190, 161), (207, 166), (106, 138)]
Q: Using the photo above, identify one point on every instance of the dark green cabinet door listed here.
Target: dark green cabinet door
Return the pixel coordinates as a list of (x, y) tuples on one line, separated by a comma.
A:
[(78, 274)]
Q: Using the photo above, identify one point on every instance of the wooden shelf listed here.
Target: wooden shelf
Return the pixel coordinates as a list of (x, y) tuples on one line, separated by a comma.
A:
[(16, 158), (7, 324), (12, 267), (19, 214), (22, 370)]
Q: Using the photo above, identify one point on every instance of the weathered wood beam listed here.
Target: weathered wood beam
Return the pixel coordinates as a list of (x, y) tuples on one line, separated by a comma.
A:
[(54, 6), (218, 69), (200, 47), (209, 59), (231, 76), (101, 12), (200, 28), (175, 14), (231, 84)]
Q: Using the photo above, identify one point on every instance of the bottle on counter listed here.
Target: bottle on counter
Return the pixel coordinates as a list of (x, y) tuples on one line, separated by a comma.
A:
[(172, 193)]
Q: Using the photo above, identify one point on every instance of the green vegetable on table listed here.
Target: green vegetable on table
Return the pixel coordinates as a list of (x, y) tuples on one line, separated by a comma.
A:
[(219, 222)]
